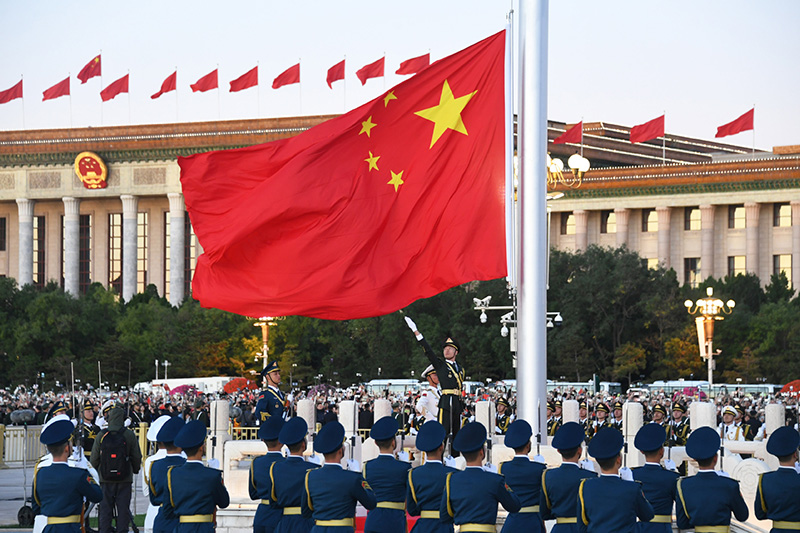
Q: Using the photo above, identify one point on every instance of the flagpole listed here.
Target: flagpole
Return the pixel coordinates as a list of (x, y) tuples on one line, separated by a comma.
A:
[(511, 249), (581, 136), (101, 86), (129, 98), (344, 87), (219, 98), (23, 101), (664, 142), (384, 71), (258, 92), (754, 128), (69, 77), (299, 87), (176, 93)]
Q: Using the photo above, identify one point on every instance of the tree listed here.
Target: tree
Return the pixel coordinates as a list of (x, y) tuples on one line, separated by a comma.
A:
[(628, 360)]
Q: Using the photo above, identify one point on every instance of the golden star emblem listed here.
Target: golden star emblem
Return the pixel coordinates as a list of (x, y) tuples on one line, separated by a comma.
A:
[(446, 115), (397, 180), (367, 126), (373, 161), (386, 99)]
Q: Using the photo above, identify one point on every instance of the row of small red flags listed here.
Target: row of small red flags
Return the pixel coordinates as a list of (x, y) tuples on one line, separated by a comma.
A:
[(210, 80)]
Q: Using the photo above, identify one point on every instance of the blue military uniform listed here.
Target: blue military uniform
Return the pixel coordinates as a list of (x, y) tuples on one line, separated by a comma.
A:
[(271, 400), (470, 498), (426, 483), (331, 493), (658, 483), (288, 477), (260, 485), (776, 496), (166, 520), (525, 479), (707, 499), (388, 478), (560, 485)]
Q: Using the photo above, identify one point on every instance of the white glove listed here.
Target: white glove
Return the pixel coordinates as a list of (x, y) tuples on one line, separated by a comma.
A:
[(538, 459), (127, 422), (413, 327), (403, 456), (315, 458), (353, 465), (797, 467), (587, 465), (489, 467), (449, 461), (213, 463), (722, 473), (669, 464), (626, 473)]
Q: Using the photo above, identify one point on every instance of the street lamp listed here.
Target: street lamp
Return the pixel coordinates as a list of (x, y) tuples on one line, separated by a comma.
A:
[(166, 364), (708, 311), (291, 371)]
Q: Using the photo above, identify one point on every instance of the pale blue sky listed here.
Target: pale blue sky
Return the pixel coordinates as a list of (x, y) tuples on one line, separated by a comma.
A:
[(702, 62)]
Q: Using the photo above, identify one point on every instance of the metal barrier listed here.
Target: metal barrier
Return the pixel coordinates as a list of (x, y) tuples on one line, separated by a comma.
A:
[(251, 433), (19, 443)]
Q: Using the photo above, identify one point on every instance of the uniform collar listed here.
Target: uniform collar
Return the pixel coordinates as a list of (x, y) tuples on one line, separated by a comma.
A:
[(610, 475), (332, 464), (522, 457), (435, 461), (565, 463), (653, 464)]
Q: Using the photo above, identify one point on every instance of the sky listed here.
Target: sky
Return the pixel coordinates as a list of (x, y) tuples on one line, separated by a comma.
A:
[(701, 62)]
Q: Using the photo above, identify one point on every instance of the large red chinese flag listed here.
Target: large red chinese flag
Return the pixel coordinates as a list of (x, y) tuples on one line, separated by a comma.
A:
[(373, 70), (169, 84), (287, 77), (11, 94), (649, 130), (59, 89), (115, 88), (91, 70), (743, 123), (399, 199), (572, 135), (414, 65), (206, 83), (335, 73), (246, 80)]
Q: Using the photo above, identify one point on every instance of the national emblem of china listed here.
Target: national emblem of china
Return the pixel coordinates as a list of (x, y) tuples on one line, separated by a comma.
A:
[(91, 170)]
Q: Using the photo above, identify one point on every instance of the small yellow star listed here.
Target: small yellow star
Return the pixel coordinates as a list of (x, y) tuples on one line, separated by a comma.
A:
[(446, 115), (388, 97), (366, 126), (373, 161), (397, 180)]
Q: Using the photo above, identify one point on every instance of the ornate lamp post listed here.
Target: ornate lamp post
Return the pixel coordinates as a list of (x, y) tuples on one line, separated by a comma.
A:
[(708, 311)]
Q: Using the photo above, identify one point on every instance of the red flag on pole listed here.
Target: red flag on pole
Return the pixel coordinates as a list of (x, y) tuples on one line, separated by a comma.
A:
[(743, 123), (335, 73), (287, 77), (373, 70), (206, 83), (11, 94), (91, 70), (414, 65), (649, 130), (59, 89), (168, 85), (246, 80), (572, 135), (397, 200), (115, 88)]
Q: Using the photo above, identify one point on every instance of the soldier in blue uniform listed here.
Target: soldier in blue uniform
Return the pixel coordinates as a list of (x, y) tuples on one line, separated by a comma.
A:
[(426, 482), (470, 497), (658, 483), (166, 521), (560, 485), (195, 491), (271, 401), (58, 489), (706, 500), (609, 503), (331, 492), (287, 478), (388, 478), (776, 496), (525, 479), (260, 485)]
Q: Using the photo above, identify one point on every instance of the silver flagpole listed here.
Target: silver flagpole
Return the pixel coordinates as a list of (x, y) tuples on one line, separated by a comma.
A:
[(511, 219)]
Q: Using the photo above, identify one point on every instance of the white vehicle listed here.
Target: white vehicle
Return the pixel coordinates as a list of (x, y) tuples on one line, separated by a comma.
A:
[(205, 385), (378, 386)]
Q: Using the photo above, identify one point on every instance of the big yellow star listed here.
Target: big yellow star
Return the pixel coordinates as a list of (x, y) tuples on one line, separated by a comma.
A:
[(397, 180), (446, 115), (367, 126), (373, 161), (389, 96)]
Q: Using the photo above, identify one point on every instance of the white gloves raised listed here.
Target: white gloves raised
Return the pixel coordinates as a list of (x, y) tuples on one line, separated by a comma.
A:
[(413, 327)]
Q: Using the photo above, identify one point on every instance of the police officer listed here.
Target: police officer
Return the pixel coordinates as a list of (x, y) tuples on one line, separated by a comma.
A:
[(503, 418), (657, 482), (388, 478), (166, 521), (608, 502), (560, 485), (271, 401), (706, 500), (89, 429), (331, 493), (776, 496), (525, 479), (260, 485), (194, 490), (288, 476), (426, 482), (471, 496)]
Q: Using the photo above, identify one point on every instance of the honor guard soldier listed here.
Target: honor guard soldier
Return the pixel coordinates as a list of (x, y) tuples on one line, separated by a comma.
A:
[(616, 419), (470, 498), (658, 483), (58, 408), (551, 419), (89, 429), (776, 496), (679, 427), (608, 502), (503, 417), (288, 476), (428, 404), (451, 378), (583, 418), (166, 521), (388, 478), (58, 489), (525, 479), (331, 492), (660, 416), (260, 486), (426, 482), (728, 430), (706, 500), (271, 400), (560, 485), (601, 414), (194, 490), (161, 452)]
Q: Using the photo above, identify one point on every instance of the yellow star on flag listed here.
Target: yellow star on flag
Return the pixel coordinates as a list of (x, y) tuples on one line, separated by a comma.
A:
[(397, 180), (366, 126), (390, 96), (373, 161), (447, 115)]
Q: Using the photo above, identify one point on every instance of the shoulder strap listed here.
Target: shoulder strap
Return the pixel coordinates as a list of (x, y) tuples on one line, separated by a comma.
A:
[(500, 468), (149, 477), (449, 507), (169, 486), (252, 475), (272, 481), (583, 504), (411, 485), (308, 493), (761, 493), (544, 490), (683, 502), (35, 495)]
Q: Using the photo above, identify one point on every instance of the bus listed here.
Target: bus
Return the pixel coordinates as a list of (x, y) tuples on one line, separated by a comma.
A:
[(401, 386)]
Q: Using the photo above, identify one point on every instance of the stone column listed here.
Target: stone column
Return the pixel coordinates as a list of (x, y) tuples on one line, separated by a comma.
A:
[(707, 240), (25, 215), (72, 245), (751, 210), (176, 248), (570, 411), (485, 414), (129, 248), (663, 236), (622, 216), (795, 243), (307, 411), (633, 418), (581, 229)]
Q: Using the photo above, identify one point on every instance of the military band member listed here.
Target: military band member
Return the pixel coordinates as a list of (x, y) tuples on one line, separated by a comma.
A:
[(288, 477), (388, 478), (503, 417), (776, 495), (260, 486), (271, 401), (609, 503), (525, 479), (706, 500), (166, 521), (658, 483), (161, 452), (426, 482), (428, 403), (89, 429)]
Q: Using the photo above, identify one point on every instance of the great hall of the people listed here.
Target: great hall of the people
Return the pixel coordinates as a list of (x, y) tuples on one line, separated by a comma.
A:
[(700, 207)]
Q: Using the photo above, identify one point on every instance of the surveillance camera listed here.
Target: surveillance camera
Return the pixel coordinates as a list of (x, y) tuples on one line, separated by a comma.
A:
[(549, 323), (477, 302), (504, 331), (507, 317), (483, 317), (558, 320)]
